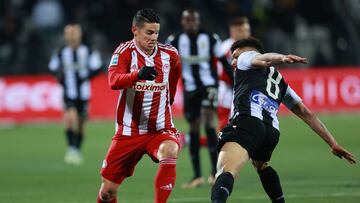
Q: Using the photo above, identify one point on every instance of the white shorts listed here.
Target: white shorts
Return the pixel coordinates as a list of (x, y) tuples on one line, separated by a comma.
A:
[(225, 95)]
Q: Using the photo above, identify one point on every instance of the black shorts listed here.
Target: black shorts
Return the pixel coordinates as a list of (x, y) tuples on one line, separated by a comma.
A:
[(205, 97), (257, 137), (80, 106)]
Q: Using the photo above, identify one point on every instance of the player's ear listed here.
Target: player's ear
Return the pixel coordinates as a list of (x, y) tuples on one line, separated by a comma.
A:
[(134, 30)]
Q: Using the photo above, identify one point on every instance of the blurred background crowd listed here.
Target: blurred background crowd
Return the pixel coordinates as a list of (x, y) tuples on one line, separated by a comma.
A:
[(325, 31)]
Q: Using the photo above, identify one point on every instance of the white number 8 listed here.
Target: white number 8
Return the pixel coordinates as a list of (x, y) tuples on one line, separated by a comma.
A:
[(276, 83)]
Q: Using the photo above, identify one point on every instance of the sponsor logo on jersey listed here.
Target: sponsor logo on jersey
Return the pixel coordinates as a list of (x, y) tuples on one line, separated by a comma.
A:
[(265, 102), (151, 87), (114, 60)]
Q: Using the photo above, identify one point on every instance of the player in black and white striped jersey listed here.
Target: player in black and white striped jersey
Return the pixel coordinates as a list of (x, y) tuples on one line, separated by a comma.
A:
[(199, 51), (253, 131), (74, 65)]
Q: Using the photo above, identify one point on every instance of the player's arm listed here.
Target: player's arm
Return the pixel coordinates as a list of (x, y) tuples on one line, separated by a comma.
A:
[(227, 67), (95, 64), (55, 66), (221, 55), (170, 40), (294, 103), (174, 75), (119, 75), (271, 59)]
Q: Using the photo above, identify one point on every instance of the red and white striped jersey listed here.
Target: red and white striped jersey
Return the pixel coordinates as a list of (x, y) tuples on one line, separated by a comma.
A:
[(225, 50), (144, 106)]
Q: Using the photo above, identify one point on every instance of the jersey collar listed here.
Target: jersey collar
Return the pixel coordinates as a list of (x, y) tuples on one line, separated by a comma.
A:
[(143, 54)]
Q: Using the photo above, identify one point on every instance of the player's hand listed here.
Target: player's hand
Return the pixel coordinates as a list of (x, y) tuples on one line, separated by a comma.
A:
[(293, 59), (147, 73), (340, 152)]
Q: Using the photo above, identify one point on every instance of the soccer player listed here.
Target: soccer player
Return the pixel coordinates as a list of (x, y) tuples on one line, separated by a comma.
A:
[(253, 131), (145, 72), (198, 50), (239, 29), (74, 65)]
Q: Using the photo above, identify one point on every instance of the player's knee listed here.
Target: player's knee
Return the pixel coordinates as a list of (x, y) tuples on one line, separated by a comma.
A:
[(108, 190), (107, 196), (259, 165), (168, 149)]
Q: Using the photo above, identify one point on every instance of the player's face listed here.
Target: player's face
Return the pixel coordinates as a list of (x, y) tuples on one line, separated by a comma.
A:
[(237, 53), (238, 32), (72, 35), (146, 36), (190, 22)]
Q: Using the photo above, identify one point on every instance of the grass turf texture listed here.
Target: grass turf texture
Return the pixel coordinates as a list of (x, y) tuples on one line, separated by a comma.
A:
[(32, 167)]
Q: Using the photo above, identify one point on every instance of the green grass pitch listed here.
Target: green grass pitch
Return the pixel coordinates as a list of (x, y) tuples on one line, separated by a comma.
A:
[(32, 168)]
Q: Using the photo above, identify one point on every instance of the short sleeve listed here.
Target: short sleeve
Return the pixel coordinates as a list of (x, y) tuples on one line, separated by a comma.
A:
[(170, 40), (290, 98), (95, 61), (54, 63), (217, 46), (244, 60)]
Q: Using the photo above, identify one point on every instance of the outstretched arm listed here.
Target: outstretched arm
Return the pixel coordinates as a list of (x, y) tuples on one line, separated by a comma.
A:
[(317, 126), (271, 59)]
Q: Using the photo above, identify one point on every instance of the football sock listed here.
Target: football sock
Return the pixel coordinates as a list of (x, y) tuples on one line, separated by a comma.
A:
[(194, 153), (222, 188), (165, 179), (271, 184), (212, 146), (70, 137), (99, 200), (78, 140)]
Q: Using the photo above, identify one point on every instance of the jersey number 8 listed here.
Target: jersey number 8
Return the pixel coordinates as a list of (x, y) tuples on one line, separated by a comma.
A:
[(271, 82)]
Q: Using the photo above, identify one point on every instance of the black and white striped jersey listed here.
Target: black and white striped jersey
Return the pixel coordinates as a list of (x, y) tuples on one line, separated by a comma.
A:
[(74, 68), (197, 57), (259, 91)]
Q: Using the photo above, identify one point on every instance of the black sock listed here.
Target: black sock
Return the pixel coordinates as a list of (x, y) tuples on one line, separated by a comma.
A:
[(271, 184), (212, 146), (70, 137), (194, 153), (78, 140), (222, 188)]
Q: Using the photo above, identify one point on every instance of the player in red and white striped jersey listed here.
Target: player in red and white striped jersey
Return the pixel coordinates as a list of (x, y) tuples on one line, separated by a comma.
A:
[(239, 29), (146, 74)]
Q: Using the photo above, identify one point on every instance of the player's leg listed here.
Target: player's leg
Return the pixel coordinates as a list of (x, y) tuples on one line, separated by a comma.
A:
[(208, 111), (270, 181), (71, 122), (208, 117), (269, 178), (119, 163), (232, 158), (108, 190), (166, 174), (82, 111), (192, 105), (79, 137)]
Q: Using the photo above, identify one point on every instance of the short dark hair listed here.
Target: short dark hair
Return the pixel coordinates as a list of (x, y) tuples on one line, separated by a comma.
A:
[(238, 21), (248, 42), (146, 15)]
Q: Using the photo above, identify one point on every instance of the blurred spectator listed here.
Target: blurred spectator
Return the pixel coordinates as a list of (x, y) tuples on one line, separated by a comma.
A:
[(8, 46), (47, 15)]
